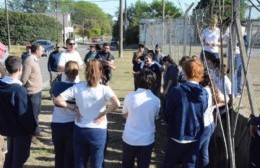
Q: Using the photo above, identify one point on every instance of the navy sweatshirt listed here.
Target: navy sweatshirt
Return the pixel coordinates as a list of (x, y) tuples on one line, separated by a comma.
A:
[(16, 115), (184, 109)]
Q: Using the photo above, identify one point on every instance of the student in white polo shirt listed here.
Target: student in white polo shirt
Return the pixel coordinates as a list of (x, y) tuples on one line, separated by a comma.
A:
[(140, 109), (211, 40)]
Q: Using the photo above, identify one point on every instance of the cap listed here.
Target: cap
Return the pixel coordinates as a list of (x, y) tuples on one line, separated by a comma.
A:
[(157, 46), (2, 47), (141, 45)]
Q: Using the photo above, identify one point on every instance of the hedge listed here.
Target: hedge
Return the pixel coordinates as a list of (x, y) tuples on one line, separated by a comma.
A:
[(27, 28)]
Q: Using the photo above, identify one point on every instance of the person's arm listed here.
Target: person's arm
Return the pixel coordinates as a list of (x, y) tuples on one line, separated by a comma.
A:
[(167, 88), (27, 69), (114, 104)]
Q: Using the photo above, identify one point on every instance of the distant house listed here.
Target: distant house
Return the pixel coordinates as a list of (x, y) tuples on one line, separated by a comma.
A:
[(65, 20)]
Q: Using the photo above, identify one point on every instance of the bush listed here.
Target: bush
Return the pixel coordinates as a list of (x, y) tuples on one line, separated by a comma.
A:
[(26, 28)]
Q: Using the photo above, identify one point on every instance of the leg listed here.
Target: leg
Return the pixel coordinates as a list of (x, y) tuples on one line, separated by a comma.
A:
[(59, 144), (80, 147), (96, 140), (129, 153), (203, 157), (144, 156), (68, 154), (174, 152), (35, 100), (9, 155), (190, 154), (21, 152), (254, 155)]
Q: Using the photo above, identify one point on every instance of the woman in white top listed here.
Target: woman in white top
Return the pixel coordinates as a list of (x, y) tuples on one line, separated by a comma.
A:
[(211, 40), (90, 130), (140, 109), (209, 126), (63, 120)]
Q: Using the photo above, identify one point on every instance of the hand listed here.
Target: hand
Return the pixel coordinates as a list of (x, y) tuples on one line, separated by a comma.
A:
[(99, 120), (78, 115)]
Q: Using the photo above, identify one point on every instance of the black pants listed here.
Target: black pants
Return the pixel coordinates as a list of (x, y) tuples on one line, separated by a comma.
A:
[(35, 100), (62, 137), (18, 151)]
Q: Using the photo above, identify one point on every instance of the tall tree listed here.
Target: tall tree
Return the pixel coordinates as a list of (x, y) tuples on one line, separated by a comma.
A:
[(90, 17), (29, 6), (206, 5)]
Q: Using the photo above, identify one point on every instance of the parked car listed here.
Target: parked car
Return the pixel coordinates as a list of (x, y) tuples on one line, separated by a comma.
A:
[(114, 42), (47, 45), (97, 39)]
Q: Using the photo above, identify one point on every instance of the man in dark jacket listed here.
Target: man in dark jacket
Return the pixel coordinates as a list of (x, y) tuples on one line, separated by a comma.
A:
[(16, 117)]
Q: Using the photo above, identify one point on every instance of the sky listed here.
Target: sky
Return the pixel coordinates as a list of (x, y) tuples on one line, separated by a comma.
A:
[(111, 6)]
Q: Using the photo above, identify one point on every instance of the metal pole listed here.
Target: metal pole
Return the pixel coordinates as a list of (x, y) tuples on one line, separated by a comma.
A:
[(121, 29), (163, 19), (185, 28), (64, 34), (7, 25)]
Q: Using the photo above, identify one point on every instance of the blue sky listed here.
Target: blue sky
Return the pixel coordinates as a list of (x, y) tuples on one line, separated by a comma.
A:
[(110, 6)]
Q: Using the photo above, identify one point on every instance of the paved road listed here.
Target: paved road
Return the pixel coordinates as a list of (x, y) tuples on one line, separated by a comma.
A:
[(82, 49)]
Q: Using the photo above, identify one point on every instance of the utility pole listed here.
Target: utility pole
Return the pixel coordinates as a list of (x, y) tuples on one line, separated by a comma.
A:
[(7, 26), (185, 28), (57, 20), (125, 22), (163, 19), (121, 29)]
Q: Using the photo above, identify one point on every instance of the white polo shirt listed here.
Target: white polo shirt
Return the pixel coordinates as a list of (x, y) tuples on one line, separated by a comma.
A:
[(65, 57), (211, 37), (142, 107), (91, 101)]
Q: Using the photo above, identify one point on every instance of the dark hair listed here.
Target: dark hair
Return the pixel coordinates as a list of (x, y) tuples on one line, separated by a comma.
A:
[(151, 52), (35, 47), (68, 40), (106, 44), (93, 72), (71, 70), (146, 79), (13, 63), (168, 59), (206, 82), (183, 59), (97, 47)]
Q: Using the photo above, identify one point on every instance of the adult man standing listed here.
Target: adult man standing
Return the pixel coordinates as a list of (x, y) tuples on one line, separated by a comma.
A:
[(108, 60), (2, 51), (16, 117), (69, 55), (158, 55), (53, 65), (32, 80)]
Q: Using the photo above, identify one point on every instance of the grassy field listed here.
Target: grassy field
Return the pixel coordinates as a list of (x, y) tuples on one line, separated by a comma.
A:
[(42, 154)]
